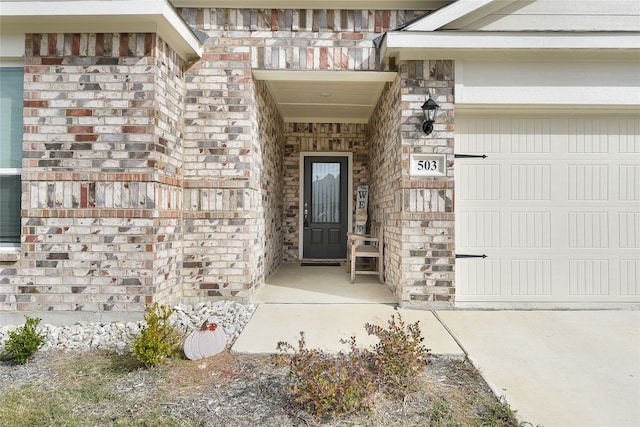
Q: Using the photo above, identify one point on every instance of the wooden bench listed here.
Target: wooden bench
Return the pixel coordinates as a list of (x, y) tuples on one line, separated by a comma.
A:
[(366, 246)]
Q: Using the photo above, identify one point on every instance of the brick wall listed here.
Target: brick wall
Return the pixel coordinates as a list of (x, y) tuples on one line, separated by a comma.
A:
[(324, 39), (269, 128), (417, 212), (101, 173), (231, 228), (8, 284), (428, 257), (385, 154), (168, 157), (147, 179), (221, 184)]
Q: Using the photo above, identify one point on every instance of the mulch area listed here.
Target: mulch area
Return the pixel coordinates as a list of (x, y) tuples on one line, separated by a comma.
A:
[(241, 390)]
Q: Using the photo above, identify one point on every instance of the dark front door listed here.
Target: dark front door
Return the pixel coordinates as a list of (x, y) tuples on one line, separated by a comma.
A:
[(325, 209)]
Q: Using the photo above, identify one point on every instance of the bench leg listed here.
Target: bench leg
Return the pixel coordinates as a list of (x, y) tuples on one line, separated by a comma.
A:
[(353, 266)]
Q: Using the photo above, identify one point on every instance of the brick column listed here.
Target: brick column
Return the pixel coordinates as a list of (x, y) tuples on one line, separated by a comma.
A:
[(428, 239), (102, 184), (223, 222), (417, 212)]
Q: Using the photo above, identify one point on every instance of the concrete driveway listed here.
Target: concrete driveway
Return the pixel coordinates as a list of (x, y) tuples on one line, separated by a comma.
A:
[(557, 368)]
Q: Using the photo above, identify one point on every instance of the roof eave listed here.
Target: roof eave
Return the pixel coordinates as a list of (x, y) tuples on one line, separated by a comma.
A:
[(405, 45), (119, 16)]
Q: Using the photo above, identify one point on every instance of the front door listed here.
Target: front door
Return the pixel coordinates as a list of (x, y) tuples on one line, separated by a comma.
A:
[(325, 207)]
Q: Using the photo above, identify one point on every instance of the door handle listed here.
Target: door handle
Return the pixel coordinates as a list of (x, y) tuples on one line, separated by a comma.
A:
[(306, 217)]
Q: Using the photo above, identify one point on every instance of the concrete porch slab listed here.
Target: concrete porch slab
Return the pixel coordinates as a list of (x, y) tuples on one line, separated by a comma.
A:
[(293, 283), (325, 324), (557, 368)]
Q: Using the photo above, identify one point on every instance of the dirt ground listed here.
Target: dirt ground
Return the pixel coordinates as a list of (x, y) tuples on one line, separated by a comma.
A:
[(223, 390)]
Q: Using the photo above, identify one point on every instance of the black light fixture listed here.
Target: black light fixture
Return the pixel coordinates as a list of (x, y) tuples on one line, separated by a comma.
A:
[(429, 109)]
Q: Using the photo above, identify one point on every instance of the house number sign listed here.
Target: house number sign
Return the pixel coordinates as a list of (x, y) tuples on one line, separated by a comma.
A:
[(427, 165)]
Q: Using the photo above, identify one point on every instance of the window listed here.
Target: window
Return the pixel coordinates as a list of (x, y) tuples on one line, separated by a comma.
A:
[(11, 101)]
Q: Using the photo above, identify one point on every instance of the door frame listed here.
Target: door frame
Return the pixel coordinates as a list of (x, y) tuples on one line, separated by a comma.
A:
[(303, 154)]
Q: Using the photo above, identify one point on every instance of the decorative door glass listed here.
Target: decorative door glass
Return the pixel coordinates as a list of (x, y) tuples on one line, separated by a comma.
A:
[(325, 193)]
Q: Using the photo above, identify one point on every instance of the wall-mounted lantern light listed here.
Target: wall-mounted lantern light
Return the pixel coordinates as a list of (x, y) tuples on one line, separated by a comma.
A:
[(429, 109)]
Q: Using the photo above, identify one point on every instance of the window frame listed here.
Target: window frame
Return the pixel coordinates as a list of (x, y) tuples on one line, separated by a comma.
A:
[(10, 247)]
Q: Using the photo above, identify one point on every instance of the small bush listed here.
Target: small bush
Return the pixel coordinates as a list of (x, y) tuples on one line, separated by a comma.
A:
[(25, 341), (327, 384), (399, 355), (158, 338)]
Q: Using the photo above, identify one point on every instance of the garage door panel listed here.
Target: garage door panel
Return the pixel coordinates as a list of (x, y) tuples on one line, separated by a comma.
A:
[(557, 214), (589, 135), (530, 229), (629, 223), (530, 182), (478, 182), (480, 136), (480, 229), (588, 230), (589, 277), (530, 136), (630, 277), (628, 137), (480, 277), (530, 277), (629, 182), (625, 136), (588, 182)]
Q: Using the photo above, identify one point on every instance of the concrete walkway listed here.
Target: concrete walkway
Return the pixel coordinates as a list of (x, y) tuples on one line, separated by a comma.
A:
[(556, 368), (325, 325)]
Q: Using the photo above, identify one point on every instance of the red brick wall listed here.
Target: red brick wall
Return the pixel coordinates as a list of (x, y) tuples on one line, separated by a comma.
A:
[(148, 179), (101, 176), (417, 211)]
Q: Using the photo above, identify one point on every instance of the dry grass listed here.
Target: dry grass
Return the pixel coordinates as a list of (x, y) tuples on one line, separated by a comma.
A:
[(64, 389)]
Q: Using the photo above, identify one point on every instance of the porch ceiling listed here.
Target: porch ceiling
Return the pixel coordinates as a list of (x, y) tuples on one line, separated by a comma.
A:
[(325, 96)]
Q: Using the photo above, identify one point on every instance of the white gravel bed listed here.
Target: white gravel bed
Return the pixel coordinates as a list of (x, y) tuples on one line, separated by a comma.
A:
[(231, 316)]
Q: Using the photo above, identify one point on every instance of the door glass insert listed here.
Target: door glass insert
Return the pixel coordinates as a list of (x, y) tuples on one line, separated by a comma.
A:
[(325, 193)]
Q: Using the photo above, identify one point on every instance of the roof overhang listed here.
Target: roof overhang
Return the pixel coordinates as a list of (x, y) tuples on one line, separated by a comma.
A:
[(456, 11), (93, 16), (325, 96), (417, 45), (440, 35), (317, 4)]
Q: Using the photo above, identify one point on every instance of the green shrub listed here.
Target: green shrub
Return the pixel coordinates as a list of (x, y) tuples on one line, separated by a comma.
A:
[(327, 384), (158, 338), (25, 341), (399, 355)]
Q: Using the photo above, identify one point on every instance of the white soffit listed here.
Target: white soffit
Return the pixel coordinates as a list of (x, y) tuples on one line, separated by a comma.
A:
[(325, 96), (407, 45), (92, 16), (317, 4), (455, 11), (428, 38)]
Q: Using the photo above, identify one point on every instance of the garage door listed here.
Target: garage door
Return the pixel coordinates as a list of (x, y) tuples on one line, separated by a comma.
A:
[(554, 206)]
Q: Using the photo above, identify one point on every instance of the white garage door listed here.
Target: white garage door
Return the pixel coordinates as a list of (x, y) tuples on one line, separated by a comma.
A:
[(555, 207)]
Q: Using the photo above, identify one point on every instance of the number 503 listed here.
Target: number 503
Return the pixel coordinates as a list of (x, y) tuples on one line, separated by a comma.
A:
[(427, 165)]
